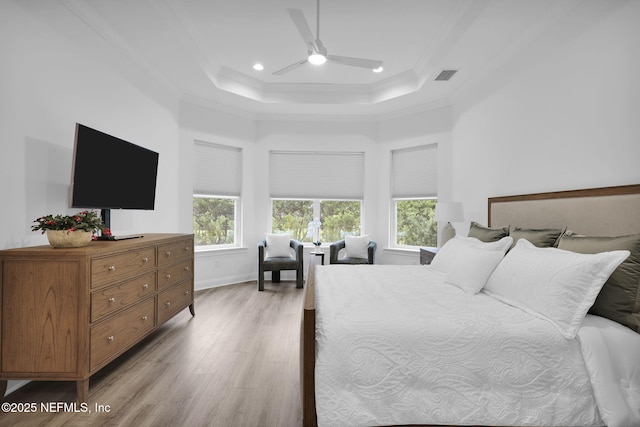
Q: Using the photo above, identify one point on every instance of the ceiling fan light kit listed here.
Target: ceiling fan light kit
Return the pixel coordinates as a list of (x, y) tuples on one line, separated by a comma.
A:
[(317, 52), (317, 59)]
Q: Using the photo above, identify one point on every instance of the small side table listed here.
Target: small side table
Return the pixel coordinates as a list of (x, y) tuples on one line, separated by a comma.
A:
[(320, 254), (427, 254)]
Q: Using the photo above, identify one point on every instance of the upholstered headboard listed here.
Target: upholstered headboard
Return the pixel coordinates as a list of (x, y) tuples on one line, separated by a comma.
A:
[(607, 211)]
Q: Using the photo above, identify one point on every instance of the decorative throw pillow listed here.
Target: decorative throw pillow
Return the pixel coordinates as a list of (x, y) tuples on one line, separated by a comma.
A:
[(447, 258), (551, 283), (619, 299), (540, 237), (356, 246), (473, 266), (278, 246), (487, 234)]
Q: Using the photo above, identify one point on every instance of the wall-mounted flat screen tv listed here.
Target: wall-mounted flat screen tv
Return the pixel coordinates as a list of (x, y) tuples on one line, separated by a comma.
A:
[(110, 173)]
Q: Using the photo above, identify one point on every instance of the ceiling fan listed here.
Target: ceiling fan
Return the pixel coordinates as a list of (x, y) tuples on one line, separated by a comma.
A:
[(317, 52)]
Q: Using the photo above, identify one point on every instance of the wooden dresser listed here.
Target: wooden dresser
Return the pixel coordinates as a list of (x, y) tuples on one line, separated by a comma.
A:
[(66, 313)]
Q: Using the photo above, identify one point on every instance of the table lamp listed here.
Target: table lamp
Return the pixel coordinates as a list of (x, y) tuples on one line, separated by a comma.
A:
[(449, 212)]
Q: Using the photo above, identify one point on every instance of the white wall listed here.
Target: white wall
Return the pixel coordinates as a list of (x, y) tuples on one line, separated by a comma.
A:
[(51, 78), (565, 117)]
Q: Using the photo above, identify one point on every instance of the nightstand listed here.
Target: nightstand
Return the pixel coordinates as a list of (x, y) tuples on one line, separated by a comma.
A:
[(427, 254)]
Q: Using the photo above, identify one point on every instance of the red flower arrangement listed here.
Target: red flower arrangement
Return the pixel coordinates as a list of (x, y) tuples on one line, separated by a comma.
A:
[(83, 221)]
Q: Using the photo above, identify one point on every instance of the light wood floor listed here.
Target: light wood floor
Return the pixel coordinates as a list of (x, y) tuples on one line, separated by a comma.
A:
[(236, 363)]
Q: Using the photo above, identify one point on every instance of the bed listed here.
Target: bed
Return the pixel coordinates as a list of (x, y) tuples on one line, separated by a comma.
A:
[(497, 355)]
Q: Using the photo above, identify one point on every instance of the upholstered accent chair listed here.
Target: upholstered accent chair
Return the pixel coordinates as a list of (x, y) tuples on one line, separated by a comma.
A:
[(336, 247), (277, 263)]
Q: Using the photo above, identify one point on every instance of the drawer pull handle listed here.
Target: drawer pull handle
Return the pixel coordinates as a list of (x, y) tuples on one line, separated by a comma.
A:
[(168, 253), (112, 300), (110, 338), (145, 286), (186, 269), (112, 268), (186, 292), (186, 248), (168, 303), (144, 317), (168, 276), (145, 259)]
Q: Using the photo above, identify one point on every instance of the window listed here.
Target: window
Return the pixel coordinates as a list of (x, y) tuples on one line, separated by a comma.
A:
[(415, 225), (217, 183), (414, 195), (324, 185), (214, 220), (338, 217)]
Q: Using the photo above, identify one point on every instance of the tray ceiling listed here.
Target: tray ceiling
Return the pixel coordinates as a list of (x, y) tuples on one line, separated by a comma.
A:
[(204, 50)]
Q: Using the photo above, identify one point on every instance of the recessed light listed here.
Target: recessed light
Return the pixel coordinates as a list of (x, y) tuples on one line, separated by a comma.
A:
[(258, 66), (378, 70)]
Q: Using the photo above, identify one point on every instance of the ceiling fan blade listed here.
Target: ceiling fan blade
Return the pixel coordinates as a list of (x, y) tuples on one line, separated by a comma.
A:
[(303, 28), (290, 67), (355, 62)]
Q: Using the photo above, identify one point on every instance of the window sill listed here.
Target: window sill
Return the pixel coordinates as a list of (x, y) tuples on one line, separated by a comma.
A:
[(220, 251)]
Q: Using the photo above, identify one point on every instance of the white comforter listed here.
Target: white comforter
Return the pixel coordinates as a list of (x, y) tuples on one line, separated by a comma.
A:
[(396, 345)]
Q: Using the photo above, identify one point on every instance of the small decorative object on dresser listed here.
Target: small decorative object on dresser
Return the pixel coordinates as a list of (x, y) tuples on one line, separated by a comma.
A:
[(70, 231), (69, 238), (66, 313)]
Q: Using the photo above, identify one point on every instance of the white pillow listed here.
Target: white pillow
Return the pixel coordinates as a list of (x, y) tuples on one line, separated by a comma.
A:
[(446, 256), (554, 284), (473, 266), (356, 246), (278, 245)]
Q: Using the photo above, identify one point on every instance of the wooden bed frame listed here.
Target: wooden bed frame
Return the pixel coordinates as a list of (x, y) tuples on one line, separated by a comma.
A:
[(607, 211)]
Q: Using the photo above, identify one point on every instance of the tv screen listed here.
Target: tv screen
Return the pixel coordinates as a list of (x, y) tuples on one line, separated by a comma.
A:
[(109, 173)]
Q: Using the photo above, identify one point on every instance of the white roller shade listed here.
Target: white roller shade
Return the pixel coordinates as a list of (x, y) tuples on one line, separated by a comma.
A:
[(316, 175), (217, 169), (415, 172)]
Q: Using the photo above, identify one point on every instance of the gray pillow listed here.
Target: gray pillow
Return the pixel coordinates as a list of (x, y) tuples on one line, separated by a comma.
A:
[(487, 234), (619, 299), (540, 237)]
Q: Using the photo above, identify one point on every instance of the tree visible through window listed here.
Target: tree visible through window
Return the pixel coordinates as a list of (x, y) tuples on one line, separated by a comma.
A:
[(338, 218), (292, 217), (214, 220), (415, 223)]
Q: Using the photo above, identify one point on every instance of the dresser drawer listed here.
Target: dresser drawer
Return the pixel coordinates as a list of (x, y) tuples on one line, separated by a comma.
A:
[(171, 252), (174, 299), (121, 266), (110, 338), (175, 273), (111, 299)]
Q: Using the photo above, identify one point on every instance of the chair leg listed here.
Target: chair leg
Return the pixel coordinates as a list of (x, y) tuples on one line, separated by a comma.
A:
[(299, 279), (275, 276), (261, 280)]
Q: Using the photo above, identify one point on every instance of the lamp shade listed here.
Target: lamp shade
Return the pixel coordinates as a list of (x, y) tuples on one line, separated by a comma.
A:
[(449, 212)]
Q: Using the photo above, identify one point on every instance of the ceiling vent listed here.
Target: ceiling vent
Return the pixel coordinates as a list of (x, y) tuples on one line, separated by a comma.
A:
[(445, 75)]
